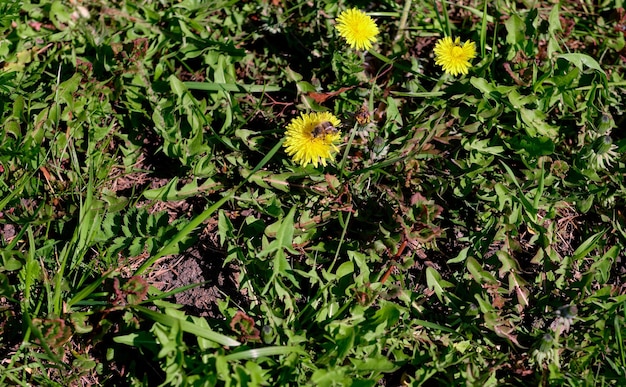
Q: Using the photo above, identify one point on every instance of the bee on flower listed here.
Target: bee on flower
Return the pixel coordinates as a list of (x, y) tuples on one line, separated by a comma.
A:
[(453, 56), (311, 138), (362, 116)]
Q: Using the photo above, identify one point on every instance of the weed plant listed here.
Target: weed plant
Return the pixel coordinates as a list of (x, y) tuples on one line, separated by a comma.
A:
[(456, 218)]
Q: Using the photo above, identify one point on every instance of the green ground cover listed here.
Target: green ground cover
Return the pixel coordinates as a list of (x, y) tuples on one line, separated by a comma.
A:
[(462, 222)]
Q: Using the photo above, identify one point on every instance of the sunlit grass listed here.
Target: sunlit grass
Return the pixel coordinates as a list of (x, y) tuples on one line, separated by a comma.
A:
[(460, 221)]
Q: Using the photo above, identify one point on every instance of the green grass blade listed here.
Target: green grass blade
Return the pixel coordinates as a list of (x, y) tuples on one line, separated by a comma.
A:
[(264, 352), (188, 327), (231, 87)]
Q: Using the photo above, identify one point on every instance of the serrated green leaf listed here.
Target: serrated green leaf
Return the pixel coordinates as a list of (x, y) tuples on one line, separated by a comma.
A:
[(225, 227), (535, 124), (477, 271), (285, 232), (436, 283), (508, 263), (177, 86), (267, 179), (376, 363)]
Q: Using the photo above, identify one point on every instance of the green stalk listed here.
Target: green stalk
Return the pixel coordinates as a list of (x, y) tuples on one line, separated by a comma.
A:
[(403, 19)]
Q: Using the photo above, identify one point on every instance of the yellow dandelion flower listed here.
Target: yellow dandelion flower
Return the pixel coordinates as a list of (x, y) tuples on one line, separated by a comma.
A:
[(357, 28), (454, 56), (311, 138)]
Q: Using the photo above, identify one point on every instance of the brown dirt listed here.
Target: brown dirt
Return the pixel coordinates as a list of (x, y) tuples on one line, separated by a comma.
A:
[(202, 266)]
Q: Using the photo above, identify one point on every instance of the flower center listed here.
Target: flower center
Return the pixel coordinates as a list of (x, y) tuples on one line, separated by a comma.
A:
[(457, 51), (358, 30)]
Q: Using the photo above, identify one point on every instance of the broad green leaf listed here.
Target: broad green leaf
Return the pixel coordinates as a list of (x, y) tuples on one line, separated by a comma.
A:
[(482, 146), (482, 85), (518, 100), (68, 89), (375, 363), (554, 26), (436, 283), (535, 124), (581, 61), (267, 179), (284, 235), (588, 245), (533, 146), (11, 260), (504, 196), (462, 256), (516, 30), (566, 80), (602, 267), (171, 192), (480, 275), (393, 112), (388, 314), (286, 230), (489, 90), (139, 339), (528, 206), (344, 269), (187, 326), (584, 205), (225, 227), (344, 339), (330, 376), (177, 86), (554, 21), (361, 261), (485, 305), (508, 263), (282, 267)]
